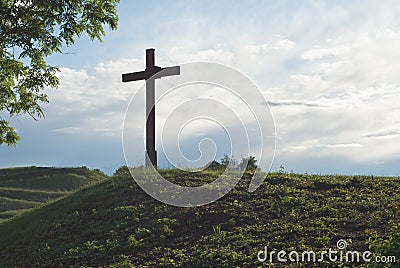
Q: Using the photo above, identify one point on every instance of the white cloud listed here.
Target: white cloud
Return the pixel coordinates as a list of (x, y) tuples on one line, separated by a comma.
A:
[(383, 133), (68, 130), (340, 146), (317, 54), (292, 149), (280, 45), (183, 55)]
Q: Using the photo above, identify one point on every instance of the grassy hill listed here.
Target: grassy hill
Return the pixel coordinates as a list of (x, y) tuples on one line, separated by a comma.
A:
[(24, 188), (115, 224)]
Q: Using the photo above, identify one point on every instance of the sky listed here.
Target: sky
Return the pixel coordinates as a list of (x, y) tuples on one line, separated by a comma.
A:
[(329, 71)]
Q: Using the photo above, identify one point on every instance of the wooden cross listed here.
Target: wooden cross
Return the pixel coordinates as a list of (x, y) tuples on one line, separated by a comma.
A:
[(151, 73)]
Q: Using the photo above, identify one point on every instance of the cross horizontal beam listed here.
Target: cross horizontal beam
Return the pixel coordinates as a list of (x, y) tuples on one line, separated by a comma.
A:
[(134, 76), (155, 71), (168, 71)]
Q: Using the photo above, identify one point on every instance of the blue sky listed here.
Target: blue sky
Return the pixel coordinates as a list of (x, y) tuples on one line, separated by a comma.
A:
[(328, 68)]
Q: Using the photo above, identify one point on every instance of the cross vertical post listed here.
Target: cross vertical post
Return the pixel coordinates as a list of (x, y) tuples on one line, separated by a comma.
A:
[(150, 123), (151, 73)]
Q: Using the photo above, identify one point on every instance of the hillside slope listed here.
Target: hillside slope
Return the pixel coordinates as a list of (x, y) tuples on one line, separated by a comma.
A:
[(24, 188), (114, 223)]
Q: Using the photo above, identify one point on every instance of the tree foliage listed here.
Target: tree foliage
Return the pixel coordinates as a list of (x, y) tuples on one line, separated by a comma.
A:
[(228, 160), (246, 163), (31, 30)]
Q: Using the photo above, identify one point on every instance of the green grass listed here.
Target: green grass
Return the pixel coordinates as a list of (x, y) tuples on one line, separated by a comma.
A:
[(25, 188), (115, 224)]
